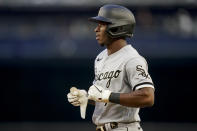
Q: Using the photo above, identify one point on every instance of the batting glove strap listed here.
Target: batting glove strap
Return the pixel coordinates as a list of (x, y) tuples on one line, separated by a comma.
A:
[(105, 95)]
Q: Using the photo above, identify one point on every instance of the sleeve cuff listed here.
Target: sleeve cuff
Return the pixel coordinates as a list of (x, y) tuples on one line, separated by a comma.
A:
[(142, 85)]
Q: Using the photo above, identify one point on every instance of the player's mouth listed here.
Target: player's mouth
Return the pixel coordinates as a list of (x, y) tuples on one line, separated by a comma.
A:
[(97, 37)]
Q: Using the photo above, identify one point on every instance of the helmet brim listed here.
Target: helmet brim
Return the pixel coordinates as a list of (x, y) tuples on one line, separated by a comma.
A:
[(98, 19)]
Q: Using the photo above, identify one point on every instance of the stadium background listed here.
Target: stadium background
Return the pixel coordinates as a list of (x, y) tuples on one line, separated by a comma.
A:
[(47, 46)]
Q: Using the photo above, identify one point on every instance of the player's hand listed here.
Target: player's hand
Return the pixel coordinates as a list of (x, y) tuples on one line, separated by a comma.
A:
[(98, 93), (77, 97)]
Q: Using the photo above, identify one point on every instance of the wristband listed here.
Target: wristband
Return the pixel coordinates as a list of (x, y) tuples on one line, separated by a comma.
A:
[(114, 98)]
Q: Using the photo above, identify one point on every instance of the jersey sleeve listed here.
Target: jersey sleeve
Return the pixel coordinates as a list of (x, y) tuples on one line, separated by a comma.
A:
[(137, 74)]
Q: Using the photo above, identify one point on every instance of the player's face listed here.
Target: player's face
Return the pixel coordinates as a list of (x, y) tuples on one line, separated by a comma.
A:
[(101, 35)]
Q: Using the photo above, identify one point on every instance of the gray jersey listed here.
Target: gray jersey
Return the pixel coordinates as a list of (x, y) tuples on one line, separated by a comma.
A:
[(122, 72)]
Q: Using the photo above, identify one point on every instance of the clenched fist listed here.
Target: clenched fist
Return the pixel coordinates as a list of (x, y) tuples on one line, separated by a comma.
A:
[(78, 98)]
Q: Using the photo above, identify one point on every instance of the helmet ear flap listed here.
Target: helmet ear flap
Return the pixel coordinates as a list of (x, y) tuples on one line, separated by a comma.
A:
[(114, 29), (119, 31)]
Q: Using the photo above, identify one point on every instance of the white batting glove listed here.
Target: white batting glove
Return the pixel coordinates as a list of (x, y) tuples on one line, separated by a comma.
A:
[(98, 93), (78, 98), (74, 100)]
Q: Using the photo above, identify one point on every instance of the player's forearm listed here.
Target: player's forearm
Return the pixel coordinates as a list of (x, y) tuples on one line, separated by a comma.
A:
[(139, 98)]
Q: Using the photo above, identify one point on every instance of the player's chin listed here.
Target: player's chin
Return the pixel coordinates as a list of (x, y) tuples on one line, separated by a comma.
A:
[(101, 43)]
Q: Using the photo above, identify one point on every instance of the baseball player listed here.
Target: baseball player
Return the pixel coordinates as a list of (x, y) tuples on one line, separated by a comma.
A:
[(122, 84)]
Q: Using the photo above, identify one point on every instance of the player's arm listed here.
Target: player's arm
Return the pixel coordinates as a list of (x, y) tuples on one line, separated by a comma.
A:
[(143, 97), (142, 93)]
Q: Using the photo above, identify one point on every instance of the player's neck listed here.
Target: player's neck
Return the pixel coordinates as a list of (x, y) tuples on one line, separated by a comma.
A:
[(115, 46)]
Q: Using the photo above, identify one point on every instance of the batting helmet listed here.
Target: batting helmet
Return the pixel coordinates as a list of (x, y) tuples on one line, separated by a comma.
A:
[(120, 20)]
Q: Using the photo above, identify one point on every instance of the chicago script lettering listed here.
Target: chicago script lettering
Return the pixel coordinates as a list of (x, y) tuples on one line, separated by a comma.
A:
[(107, 75)]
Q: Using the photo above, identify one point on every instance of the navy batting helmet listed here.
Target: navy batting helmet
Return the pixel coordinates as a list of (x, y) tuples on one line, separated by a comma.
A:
[(120, 20)]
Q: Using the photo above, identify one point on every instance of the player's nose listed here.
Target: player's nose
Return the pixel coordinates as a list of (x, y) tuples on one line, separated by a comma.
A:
[(96, 29)]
